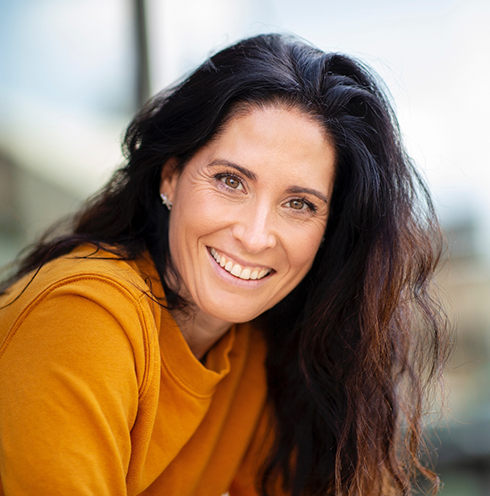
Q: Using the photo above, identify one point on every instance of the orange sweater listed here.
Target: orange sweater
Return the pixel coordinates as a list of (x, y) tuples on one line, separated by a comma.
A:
[(100, 394)]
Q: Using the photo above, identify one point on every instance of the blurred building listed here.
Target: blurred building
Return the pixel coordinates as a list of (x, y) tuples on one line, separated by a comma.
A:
[(463, 439), (68, 87)]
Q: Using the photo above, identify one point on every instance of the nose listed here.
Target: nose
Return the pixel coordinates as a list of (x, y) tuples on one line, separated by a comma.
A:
[(255, 228)]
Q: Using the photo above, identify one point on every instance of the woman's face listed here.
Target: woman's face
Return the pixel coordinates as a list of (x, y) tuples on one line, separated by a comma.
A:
[(249, 212)]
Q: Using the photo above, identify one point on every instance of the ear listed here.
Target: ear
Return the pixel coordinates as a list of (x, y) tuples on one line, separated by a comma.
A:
[(169, 177)]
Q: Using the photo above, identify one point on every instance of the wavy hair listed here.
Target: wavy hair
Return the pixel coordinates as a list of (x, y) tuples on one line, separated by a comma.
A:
[(355, 349)]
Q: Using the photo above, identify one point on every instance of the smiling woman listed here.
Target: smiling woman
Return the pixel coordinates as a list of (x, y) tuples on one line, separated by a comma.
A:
[(245, 307), (249, 210)]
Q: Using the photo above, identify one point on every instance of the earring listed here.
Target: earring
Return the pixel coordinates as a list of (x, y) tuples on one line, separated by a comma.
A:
[(166, 201)]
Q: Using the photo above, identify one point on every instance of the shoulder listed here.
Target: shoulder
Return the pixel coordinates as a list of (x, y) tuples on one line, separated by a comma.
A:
[(90, 300), (86, 268)]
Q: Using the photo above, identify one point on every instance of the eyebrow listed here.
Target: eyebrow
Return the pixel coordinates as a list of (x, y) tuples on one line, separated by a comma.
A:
[(248, 174), (253, 177), (299, 189)]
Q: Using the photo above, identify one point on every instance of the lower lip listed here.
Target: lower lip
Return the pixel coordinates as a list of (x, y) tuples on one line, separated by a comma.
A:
[(225, 276)]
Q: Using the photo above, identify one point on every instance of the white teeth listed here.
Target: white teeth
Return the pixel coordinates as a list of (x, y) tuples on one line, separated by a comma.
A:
[(236, 269)]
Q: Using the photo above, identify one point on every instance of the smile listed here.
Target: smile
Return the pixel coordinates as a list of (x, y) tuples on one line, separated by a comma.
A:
[(237, 270)]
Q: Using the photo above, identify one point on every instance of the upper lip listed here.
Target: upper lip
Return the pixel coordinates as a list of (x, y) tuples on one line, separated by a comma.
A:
[(239, 261)]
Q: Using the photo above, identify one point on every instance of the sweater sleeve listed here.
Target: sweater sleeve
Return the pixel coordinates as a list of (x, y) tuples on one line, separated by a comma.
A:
[(72, 369)]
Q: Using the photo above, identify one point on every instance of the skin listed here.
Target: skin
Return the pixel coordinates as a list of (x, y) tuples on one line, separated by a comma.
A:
[(259, 195)]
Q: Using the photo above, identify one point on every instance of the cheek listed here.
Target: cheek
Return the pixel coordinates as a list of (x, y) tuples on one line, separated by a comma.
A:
[(188, 222), (302, 253)]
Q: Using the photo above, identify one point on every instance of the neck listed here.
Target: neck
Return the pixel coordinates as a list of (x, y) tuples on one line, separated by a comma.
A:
[(200, 331)]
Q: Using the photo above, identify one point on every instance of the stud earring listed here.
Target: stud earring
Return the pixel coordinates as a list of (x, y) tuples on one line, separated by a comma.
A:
[(166, 201)]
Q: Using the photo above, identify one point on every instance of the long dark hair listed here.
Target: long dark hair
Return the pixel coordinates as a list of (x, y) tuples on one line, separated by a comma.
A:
[(355, 347)]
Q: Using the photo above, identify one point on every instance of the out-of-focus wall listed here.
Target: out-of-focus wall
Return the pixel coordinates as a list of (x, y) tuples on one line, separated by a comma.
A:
[(28, 204)]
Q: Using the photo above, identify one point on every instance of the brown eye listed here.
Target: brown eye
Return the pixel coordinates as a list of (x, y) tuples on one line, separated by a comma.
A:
[(297, 204), (231, 182)]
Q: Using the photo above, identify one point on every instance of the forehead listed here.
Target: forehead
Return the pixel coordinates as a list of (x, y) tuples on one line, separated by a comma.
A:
[(269, 109), (276, 136)]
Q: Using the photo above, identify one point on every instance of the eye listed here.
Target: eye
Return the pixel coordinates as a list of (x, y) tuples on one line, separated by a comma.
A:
[(230, 181), (301, 204), (298, 204)]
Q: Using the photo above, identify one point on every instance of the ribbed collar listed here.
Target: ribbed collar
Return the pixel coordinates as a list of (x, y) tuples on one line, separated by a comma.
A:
[(185, 368)]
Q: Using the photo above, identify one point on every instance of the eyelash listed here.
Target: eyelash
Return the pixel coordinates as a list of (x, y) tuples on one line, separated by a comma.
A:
[(225, 175)]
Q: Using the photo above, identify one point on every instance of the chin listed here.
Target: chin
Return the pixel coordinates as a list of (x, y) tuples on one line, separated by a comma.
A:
[(235, 314)]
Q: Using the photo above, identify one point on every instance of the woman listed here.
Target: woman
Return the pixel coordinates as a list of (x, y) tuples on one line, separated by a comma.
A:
[(245, 307)]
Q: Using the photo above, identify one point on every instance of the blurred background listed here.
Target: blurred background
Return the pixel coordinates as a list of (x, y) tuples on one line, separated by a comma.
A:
[(73, 72)]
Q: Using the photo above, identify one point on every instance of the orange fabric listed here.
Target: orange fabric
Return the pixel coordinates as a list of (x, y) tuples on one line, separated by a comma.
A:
[(100, 394)]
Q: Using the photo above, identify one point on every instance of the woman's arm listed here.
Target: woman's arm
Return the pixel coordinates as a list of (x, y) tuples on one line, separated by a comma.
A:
[(70, 383)]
